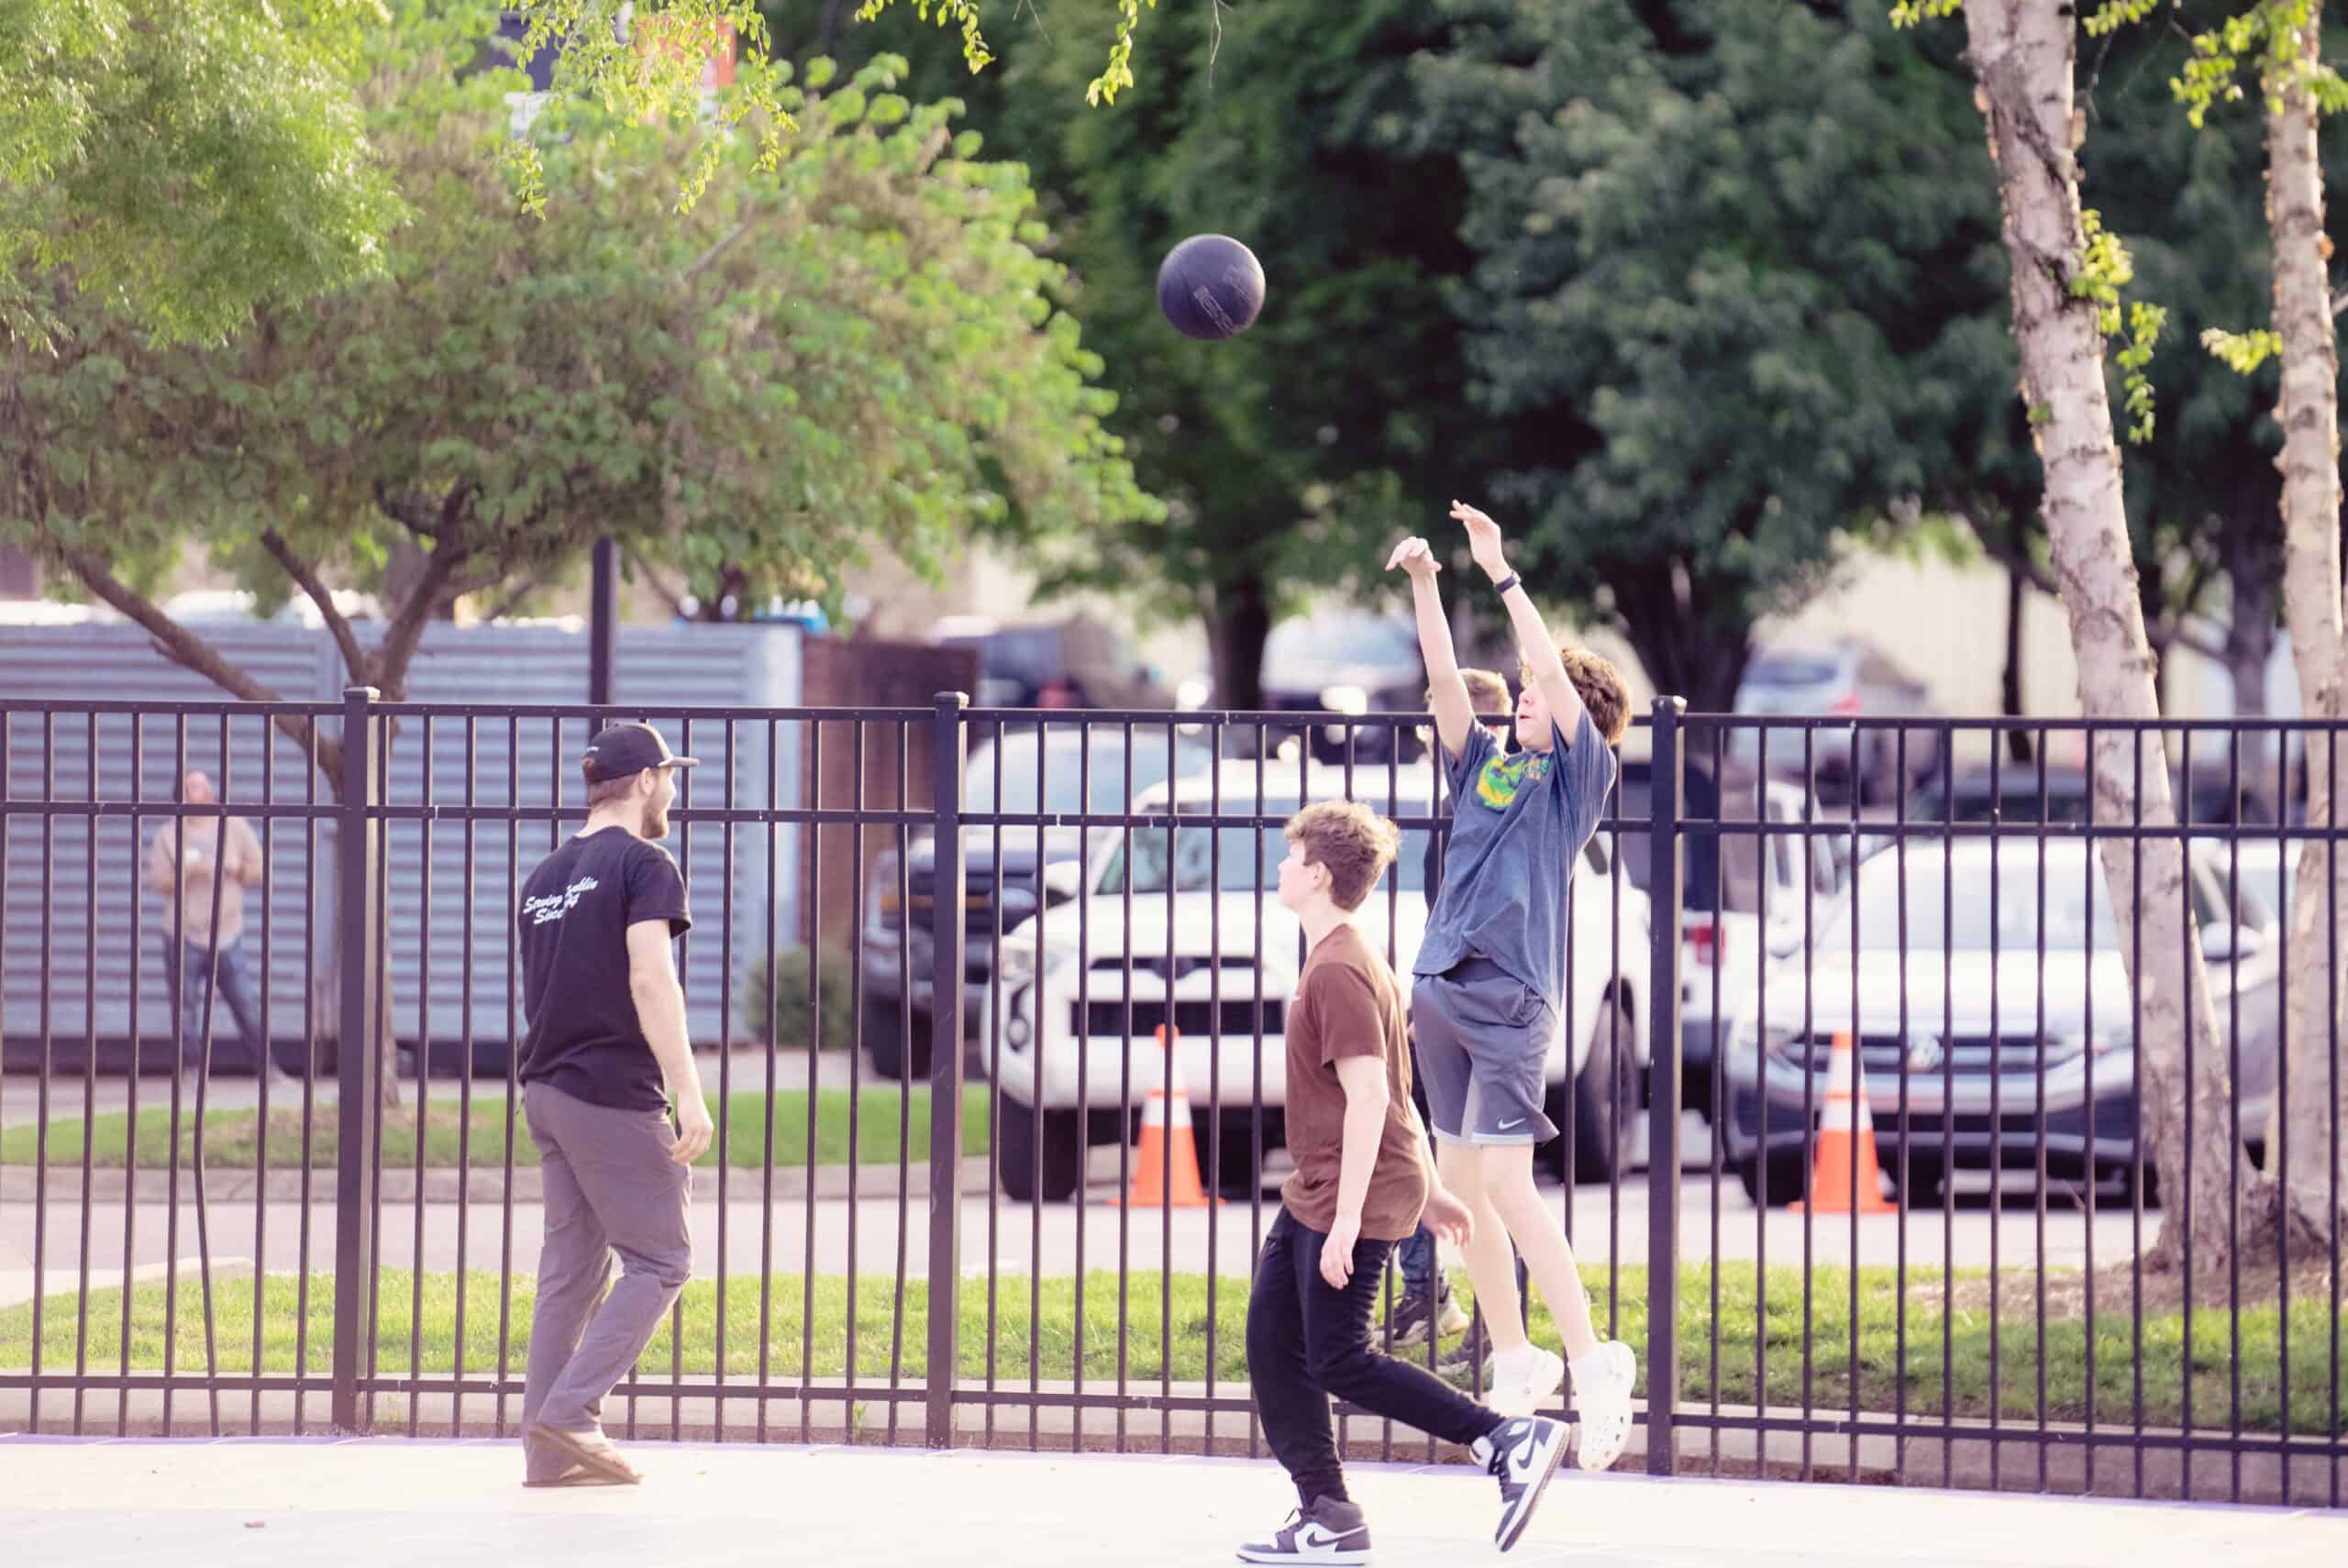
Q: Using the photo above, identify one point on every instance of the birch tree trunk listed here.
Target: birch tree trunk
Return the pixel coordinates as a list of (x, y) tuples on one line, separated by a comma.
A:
[(2299, 1137), (2023, 53)]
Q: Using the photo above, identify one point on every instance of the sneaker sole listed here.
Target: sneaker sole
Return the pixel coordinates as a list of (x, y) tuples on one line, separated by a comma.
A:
[(1614, 1431), (1338, 1559), (1511, 1527), (579, 1476), (613, 1469)]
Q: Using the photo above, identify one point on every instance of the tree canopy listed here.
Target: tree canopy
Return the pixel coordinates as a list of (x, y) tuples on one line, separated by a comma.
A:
[(1737, 269), (185, 162), (1290, 456), (860, 347)]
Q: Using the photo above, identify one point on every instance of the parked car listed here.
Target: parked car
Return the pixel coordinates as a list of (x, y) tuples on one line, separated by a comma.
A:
[(1989, 1007), (1343, 661), (2261, 871), (1743, 892), (1184, 926), (2023, 792), (1008, 872), (1842, 679), (1077, 663)]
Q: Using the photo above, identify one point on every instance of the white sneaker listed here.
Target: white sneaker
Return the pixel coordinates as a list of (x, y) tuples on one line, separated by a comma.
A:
[(1522, 1381), (1602, 1397)]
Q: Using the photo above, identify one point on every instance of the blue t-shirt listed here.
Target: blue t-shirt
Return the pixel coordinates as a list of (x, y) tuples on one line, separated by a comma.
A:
[(1518, 822)]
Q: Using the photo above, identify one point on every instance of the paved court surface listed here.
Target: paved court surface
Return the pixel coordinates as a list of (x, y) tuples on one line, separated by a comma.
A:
[(313, 1504)]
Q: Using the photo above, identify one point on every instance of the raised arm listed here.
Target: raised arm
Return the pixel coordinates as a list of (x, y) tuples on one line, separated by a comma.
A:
[(1453, 712), (1534, 645)]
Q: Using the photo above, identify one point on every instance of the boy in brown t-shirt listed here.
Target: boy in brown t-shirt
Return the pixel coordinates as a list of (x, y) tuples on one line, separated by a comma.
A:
[(1363, 1179)]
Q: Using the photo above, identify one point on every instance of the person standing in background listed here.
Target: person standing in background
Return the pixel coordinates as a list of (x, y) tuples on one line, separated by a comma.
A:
[(203, 864)]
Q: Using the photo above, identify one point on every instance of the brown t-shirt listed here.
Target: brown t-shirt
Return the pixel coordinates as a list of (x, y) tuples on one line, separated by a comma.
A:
[(1349, 1004)]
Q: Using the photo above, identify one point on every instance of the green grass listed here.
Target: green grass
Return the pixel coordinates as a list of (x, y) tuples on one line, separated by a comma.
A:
[(231, 1138), (1779, 1327)]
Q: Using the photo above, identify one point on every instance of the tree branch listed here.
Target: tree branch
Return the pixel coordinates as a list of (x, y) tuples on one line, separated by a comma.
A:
[(514, 595), (714, 252), (400, 509), (406, 631), (191, 653), (354, 658), (2184, 637), (674, 599), (452, 508)]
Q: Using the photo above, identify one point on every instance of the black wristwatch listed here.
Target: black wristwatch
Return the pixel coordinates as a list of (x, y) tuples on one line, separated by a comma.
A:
[(1501, 587)]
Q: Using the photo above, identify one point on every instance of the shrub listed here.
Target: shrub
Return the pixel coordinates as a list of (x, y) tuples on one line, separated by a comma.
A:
[(785, 1021)]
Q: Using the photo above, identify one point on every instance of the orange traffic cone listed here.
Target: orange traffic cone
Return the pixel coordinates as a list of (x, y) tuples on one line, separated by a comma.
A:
[(1846, 1116), (1169, 1151)]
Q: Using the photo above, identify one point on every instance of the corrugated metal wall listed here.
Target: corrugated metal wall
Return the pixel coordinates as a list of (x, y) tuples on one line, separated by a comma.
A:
[(81, 912), (54, 885)]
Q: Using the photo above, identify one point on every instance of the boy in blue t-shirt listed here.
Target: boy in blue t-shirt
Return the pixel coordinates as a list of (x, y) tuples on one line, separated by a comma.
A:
[(1490, 977)]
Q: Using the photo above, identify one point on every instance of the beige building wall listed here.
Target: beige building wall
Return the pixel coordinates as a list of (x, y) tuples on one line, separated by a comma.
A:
[(1945, 624)]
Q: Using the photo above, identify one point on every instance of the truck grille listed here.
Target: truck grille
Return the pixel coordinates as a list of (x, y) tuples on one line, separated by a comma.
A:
[(1965, 1055), (1194, 1019)]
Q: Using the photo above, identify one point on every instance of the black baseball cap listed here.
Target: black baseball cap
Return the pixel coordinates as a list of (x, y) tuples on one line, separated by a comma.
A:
[(624, 749)]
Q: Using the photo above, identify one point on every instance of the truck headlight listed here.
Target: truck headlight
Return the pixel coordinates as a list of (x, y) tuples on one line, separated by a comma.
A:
[(1021, 961), (1747, 1036)]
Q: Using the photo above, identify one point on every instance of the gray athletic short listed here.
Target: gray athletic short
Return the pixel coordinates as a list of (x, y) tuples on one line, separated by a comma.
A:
[(1483, 1040)]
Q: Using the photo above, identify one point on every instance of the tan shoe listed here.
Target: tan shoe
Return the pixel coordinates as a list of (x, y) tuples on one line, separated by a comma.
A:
[(576, 1475), (592, 1451)]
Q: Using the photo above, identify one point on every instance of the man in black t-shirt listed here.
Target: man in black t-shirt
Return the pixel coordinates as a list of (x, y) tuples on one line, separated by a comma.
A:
[(605, 1049)]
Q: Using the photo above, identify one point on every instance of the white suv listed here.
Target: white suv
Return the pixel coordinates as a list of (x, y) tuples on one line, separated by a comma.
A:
[(1089, 984)]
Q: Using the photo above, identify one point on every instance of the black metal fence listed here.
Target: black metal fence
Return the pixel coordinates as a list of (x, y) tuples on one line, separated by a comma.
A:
[(987, 995)]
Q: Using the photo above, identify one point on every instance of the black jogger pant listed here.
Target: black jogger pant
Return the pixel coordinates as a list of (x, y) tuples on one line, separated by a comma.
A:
[(1307, 1342)]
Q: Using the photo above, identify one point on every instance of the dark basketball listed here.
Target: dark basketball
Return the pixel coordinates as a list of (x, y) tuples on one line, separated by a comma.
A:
[(1211, 286)]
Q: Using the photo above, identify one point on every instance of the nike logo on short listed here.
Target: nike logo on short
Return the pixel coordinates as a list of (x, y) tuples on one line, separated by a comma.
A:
[(1518, 1122)]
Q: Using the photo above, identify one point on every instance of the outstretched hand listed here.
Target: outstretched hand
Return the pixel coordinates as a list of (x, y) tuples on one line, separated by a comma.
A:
[(1416, 556), (1483, 539)]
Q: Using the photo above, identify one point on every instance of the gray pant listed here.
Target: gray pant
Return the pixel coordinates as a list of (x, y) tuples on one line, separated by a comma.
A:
[(610, 1187), (1483, 1053)]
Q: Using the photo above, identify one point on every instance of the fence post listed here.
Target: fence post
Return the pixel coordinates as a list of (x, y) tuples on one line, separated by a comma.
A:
[(948, 747), (354, 1063), (1663, 892)]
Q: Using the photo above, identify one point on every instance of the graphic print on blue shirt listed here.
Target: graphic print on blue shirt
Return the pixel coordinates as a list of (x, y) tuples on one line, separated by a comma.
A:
[(1504, 778), (1518, 826)]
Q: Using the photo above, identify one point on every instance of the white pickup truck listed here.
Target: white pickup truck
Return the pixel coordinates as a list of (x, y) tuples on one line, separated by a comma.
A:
[(1182, 924)]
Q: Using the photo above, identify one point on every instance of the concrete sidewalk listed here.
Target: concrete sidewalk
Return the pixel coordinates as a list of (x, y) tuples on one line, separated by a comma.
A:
[(301, 1504)]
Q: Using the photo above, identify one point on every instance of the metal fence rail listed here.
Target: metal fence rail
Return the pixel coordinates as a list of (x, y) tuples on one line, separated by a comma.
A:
[(980, 975)]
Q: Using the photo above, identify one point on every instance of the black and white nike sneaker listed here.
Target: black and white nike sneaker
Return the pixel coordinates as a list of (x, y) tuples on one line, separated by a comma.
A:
[(1523, 1454), (1328, 1532)]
